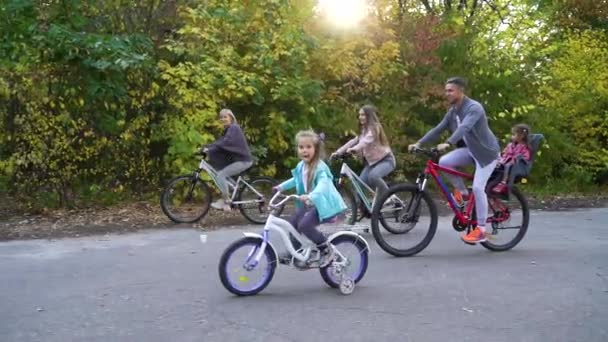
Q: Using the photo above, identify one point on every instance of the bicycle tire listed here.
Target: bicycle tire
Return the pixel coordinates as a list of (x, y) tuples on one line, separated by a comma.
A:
[(361, 247), (173, 187), (417, 198), (229, 283)]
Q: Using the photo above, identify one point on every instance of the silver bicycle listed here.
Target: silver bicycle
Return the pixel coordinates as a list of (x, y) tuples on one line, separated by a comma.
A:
[(187, 198)]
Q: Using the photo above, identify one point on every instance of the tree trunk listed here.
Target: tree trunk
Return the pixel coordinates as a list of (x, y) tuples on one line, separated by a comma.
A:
[(427, 6)]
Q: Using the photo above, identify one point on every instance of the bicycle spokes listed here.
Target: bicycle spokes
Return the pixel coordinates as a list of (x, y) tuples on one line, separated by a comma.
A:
[(404, 226), (501, 212), (412, 209), (185, 199), (509, 219)]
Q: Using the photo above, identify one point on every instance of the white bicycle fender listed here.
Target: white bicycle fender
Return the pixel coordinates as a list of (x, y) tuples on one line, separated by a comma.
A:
[(349, 233), (258, 236)]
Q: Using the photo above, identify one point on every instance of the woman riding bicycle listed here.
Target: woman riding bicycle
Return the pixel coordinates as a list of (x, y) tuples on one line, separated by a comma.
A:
[(229, 154), (373, 144), (467, 120)]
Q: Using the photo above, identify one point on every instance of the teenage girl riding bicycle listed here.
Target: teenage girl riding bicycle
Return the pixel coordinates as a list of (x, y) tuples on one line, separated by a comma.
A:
[(373, 145)]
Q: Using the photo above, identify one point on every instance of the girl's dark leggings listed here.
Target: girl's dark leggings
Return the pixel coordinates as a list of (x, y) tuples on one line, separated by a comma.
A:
[(306, 221)]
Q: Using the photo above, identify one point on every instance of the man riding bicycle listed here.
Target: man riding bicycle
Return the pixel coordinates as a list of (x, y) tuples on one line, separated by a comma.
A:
[(476, 144)]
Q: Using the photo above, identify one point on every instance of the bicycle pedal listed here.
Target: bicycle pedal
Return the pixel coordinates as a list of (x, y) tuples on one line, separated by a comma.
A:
[(285, 261)]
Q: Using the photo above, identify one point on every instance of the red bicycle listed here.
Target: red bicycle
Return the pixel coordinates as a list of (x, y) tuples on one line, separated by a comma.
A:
[(412, 213)]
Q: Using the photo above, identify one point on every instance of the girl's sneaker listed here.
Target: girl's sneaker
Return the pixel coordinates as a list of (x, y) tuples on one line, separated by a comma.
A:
[(220, 204), (327, 255), (500, 188)]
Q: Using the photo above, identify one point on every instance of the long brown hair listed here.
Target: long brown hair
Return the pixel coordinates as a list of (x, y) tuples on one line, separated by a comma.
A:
[(372, 123), (319, 153)]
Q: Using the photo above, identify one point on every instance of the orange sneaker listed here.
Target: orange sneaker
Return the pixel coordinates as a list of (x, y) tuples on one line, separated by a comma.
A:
[(460, 198), (476, 235)]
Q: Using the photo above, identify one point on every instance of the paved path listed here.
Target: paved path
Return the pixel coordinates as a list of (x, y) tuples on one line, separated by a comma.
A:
[(163, 286)]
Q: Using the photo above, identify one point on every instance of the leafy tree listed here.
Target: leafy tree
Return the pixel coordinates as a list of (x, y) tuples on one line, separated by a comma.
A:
[(251, 57)]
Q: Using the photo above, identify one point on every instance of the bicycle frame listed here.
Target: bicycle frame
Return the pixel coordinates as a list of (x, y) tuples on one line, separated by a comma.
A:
[(284, 228), (433, 168), (233, 185), (358, 184)]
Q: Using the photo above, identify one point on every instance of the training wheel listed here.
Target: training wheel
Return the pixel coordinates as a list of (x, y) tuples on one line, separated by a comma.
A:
[(347, 286)]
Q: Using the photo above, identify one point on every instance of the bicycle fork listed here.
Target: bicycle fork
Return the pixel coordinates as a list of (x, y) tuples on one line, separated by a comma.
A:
[(195, 177), (413, 207), (256, 253)]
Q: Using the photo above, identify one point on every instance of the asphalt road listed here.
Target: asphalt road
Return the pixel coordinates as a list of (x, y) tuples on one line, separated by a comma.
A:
[(163, 286)]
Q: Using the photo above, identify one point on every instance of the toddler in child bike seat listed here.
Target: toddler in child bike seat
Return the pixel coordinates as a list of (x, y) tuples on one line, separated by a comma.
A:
[(319, 201), (517, 147)]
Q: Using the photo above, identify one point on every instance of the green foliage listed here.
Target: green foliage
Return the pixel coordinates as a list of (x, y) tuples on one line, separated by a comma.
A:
[(575, 99), (103, 100), (250, 57), (76, 103)]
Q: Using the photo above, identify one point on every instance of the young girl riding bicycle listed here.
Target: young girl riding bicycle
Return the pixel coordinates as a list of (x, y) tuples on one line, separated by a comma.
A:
[(319, 201)]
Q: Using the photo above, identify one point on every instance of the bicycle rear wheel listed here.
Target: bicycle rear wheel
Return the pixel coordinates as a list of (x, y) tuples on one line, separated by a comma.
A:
[(508, 220), (186, 199), (412, 213), (255, 209), (357, 258)]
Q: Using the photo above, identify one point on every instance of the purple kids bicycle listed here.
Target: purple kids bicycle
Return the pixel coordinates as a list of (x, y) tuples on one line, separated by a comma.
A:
[(248, 264)]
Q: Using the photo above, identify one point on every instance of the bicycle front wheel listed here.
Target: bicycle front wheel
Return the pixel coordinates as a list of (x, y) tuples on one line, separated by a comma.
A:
[(186, 199), (239, 273), (253, 199), (413, 218)]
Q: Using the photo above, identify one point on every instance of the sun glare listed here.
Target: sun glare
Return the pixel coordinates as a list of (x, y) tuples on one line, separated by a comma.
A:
[(344, 13)]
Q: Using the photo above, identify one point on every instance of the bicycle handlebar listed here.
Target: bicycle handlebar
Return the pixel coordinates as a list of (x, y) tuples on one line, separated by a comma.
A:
[(283, 201), (202, 152), (432, 153), (341, 157)]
